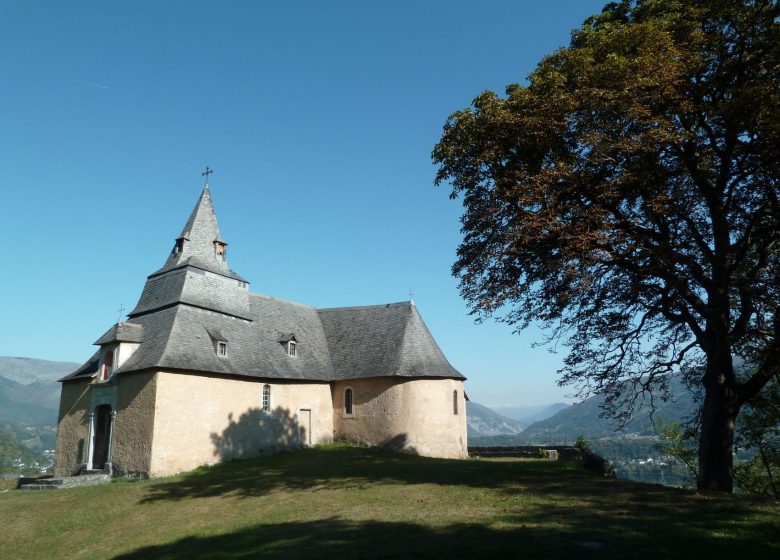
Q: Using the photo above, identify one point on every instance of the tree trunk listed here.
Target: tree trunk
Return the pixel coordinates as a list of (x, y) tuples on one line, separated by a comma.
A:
[(716, 444)]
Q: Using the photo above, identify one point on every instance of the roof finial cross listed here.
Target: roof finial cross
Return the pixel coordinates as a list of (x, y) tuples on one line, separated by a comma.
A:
[(121, 311), (411, 296), (206, 174)]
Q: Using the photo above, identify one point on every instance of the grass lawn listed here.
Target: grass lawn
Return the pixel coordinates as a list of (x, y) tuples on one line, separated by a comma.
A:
[(346, 502)]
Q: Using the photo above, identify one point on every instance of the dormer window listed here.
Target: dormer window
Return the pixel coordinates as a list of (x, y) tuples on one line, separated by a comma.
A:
[(178, 247), (222, 349), (290, 343), (108, 365), (220, 250)]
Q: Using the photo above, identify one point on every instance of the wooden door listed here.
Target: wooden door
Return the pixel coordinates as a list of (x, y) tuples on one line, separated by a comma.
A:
[(102, 435)]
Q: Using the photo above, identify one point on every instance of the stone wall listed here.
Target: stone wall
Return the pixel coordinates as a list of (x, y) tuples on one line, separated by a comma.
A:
[(412, 415), (203, 419), (565, 453), (72, 427), (134, 423)]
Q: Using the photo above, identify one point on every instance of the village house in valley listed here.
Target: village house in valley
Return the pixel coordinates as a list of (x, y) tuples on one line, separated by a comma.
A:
[(204, 371)]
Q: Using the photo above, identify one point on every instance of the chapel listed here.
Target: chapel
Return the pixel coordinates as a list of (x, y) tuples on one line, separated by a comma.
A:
[(203, 371)]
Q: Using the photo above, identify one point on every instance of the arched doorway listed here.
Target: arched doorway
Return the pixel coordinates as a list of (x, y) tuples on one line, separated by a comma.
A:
[(102, 436)]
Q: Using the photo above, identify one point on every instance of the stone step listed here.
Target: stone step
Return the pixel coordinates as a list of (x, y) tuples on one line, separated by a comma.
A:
[(38, 487), (65, 482)]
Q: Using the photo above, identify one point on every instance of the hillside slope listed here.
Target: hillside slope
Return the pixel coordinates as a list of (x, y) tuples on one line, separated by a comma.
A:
[(11, 449), (585, 419)]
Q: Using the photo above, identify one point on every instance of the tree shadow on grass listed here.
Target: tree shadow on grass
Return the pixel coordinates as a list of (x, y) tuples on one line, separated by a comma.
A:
[(342, 466), (334, 538), (540, 505), (545, 534)]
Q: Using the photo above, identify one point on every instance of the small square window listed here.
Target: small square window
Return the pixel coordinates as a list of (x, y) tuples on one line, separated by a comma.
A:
[(221, 348)]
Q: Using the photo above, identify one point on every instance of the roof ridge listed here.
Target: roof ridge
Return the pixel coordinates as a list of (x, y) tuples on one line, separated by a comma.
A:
[(266, 296), (376, 306)]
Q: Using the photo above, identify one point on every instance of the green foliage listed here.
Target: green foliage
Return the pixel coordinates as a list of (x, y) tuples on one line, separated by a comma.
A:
[(759, 430), (760, 475), (582, 444), (678, 444)]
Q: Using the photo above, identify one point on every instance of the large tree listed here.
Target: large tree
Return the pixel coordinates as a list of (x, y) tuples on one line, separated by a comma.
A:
[(627, 198)]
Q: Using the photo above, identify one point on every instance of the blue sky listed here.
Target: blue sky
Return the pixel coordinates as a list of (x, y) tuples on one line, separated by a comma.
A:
[(318, 119)]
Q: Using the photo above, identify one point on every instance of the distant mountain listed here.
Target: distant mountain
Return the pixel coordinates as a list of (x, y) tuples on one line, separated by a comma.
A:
[(29, 392), (29, 370), (584, 419), (35, 404), (528, 414), (545, 413), (483, 421)]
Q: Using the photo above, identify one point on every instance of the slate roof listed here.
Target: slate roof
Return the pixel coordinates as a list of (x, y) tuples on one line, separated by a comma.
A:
[(383, 340), (185, 310), (196, 287)]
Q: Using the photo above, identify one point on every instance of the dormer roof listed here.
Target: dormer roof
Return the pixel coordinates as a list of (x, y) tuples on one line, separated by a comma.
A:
[(122, 332), (287, 337)]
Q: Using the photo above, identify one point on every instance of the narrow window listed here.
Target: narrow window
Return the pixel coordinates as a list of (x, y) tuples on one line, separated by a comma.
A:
[(348, 401), (220, 250), (291, 348), (265, 404), (221, 348), (108, 364), (454, 402)]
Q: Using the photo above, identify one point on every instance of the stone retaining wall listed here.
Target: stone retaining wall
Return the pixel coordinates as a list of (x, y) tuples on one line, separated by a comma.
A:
[(566, 453)]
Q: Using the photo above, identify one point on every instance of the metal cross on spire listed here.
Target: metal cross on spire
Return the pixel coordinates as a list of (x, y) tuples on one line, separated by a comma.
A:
[(121, 312), (207, 173), (411, 296)]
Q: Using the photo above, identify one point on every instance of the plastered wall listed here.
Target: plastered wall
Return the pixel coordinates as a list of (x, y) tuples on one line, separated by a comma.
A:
[(203, 419), (414, 415)]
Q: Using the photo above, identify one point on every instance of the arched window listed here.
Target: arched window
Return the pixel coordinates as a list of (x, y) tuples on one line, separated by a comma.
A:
[(348, 401), (265, 403), (454, 402), (108, 365)]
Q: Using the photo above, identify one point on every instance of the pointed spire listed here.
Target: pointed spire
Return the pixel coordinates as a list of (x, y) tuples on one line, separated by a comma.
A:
[(202, 225), (200, 243)]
